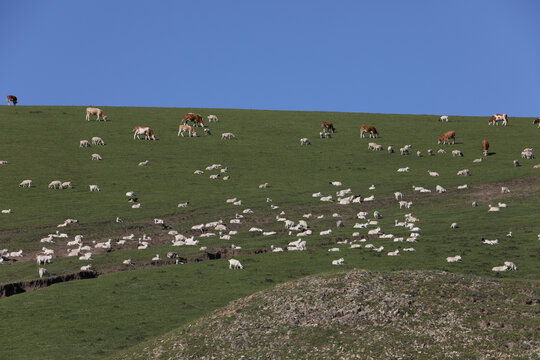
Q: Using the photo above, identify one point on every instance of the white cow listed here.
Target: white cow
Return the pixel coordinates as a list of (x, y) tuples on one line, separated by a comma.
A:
[(95, 111)]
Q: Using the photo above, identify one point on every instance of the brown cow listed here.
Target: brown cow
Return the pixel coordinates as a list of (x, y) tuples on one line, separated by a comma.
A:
[(447, 136), (328, 126), (537, 121), (368, 129), (12, 99), (485, 147), (196, 119), (495, 118)]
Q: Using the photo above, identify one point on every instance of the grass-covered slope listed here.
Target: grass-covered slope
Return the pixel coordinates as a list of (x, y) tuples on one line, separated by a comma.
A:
[(96, 318)]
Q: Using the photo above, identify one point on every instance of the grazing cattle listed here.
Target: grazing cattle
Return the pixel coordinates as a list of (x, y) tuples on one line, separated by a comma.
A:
[(186, 128), (95, 111), (196, 119), (495, 118), (368, 129), (444, 118), (212, 118), (447, 136), (143, 130), (485, 147), (228, 135), (328, 126), (12, 99), (537, 121)]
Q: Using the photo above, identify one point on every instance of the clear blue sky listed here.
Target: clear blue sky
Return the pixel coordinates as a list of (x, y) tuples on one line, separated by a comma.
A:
[(462, 57)]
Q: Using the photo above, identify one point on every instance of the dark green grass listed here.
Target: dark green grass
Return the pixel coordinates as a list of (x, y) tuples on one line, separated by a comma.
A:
[(94, 318)]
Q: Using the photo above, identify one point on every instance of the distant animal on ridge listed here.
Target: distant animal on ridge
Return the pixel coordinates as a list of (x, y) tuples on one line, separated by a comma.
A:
[(12, 99), (95, 111)]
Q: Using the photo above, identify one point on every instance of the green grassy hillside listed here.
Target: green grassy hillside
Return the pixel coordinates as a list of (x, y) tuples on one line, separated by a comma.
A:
[(121, 309)]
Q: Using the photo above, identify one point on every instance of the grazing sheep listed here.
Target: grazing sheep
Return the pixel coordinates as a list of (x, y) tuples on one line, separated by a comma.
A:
[(504, 190), (84, 143), (66, 185), (493, 208), (390, 150), (96, 157), (457, 153), (441, 151), (26, 183), (56, 184), (183, 205), (43, 259), (462, 187), (228, 135), (156, 258), (43, 272), (433, 173), (144, 163), (97, 141), (454, 226), (206, 132), (394, 253), (430, 152), (136, 206), (263, 186), (225, 178), (94, 187), (479, 160), (419, 154), (335, 183), (3, 162), (214, 177), (235, 264), (198, 172), (398, 195), (6, 211), (369, 198), (212, 118), (305, 141), (516, 163), (339, 261), (464, 172), (405, 169)]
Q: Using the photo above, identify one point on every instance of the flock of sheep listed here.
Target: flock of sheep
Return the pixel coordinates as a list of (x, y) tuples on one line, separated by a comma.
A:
[(365, 230)]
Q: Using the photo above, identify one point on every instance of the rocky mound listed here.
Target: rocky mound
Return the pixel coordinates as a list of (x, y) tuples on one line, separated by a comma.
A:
[(367, 315)]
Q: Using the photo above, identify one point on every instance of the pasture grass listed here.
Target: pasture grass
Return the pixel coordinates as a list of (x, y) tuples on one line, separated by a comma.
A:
[(95, 318)]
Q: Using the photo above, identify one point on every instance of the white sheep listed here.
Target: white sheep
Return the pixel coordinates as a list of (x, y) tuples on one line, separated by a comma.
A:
[(454, 225), (394, 253), (453, 259), (97, 141), (479, 160), (433, 173), (56, 184), (6, 211), (136, 206), (235, 264), (457, 153), (440, 189), (390, 150), (462, 187), (504, 190), (398, 195), (43, 272), (464, 172), (96, 157), (183, 205), (86, 267), (84, 143), (3, 162), (94, 188), (144, 163), (43, 259), (339, 261), (228, 135), (66, 185), (26, 183), (263, 186), (405, 169), (305, 141)]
